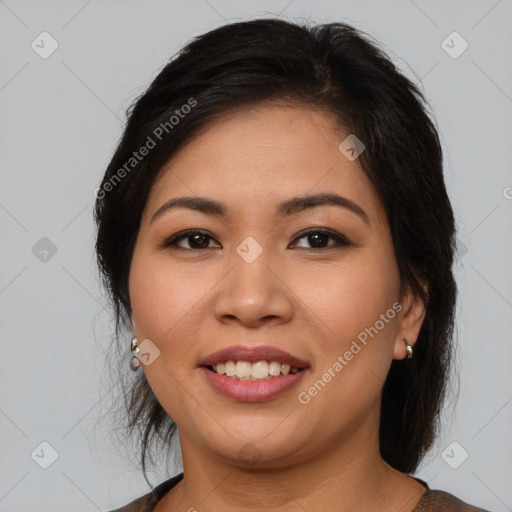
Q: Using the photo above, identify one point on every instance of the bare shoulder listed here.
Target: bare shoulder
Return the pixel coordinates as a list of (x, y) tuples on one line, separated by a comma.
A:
[(441, 501)]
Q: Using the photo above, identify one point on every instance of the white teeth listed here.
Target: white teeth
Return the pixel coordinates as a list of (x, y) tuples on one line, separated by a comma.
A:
[(274, 368), (242, 369), (261, 370), (230, 368)]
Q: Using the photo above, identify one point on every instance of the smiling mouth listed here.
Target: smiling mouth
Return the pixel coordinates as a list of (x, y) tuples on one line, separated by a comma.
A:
[(260, 370)]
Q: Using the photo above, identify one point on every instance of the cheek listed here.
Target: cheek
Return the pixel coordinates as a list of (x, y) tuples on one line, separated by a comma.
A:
[(353, 309), (165, 300), (349, 297)]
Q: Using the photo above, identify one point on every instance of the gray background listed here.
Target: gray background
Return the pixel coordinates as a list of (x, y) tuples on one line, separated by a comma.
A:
[(60, 120)]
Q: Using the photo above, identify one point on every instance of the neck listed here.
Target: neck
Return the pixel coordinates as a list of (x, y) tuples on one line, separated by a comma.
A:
[(349, 476)]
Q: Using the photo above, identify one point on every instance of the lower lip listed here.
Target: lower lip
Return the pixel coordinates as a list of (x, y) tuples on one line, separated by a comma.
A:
[(253, 391)]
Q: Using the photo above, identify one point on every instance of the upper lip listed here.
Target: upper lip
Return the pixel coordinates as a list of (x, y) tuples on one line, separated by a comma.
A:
[(252, 355)]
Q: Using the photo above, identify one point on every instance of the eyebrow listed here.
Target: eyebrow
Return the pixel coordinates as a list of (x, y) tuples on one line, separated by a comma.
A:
[(288, 207)]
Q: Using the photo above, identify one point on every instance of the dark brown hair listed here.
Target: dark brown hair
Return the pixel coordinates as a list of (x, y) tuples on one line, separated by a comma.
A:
[(333, 68)]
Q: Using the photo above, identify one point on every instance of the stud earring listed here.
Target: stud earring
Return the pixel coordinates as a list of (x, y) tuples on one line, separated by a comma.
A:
[(134, 361), (408, 349)]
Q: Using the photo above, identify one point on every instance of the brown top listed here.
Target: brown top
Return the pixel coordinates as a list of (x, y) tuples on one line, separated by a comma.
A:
[(431, 501)]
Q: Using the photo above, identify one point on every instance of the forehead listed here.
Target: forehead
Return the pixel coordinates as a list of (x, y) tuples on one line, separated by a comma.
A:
[(263, 155)]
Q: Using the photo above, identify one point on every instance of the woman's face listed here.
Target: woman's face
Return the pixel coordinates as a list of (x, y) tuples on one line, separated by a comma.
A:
[(317, 280)]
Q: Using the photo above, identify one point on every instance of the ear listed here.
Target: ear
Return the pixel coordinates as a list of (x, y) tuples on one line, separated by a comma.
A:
[(133, 326), (411, 319)]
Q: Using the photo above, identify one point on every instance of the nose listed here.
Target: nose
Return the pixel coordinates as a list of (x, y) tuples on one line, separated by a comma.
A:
[(253, 294)]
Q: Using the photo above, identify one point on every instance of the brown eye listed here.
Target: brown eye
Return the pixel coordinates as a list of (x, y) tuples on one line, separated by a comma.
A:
[(193, 240), (199, 240), (319, 239)]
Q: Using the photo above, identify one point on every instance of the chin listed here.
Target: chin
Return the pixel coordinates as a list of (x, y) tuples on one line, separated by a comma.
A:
[(258, 448)]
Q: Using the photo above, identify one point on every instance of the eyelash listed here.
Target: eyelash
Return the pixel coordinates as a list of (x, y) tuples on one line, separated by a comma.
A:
[(341, 241)]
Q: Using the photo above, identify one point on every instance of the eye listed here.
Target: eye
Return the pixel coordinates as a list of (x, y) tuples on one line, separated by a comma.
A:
[(200, 240), (318, 239), (194, 238)]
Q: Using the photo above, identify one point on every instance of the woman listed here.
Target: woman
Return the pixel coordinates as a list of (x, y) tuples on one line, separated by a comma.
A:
[(275, 231)]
